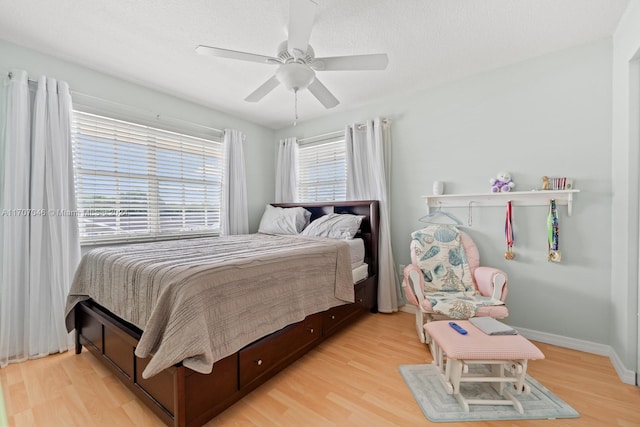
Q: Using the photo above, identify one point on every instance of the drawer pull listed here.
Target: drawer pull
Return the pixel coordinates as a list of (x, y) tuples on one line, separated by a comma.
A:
[(259, 362), (333, 317), (310, 330)]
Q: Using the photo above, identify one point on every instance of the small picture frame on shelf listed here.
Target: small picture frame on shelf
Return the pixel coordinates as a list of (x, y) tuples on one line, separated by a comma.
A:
[(568, 184)]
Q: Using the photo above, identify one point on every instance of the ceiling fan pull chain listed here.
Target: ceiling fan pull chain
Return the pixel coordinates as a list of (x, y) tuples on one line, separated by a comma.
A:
[(295, 106)]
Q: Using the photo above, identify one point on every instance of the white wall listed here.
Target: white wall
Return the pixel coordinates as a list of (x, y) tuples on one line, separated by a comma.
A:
[(625, 157), (259, 140), (546, 116)]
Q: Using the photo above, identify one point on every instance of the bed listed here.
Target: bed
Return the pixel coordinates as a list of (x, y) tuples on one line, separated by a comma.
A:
[(188, 389)]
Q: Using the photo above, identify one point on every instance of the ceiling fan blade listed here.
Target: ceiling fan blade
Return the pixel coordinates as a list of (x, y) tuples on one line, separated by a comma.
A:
[(376, 61), (264, 89), (301, 15), (234, 54), (323, 95)]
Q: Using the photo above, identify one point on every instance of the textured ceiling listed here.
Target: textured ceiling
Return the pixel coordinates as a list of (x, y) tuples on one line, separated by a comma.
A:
[(152, 42)]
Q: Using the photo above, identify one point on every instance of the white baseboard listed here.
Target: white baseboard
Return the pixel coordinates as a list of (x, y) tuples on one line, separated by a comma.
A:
[(627, 376), (561, 341)]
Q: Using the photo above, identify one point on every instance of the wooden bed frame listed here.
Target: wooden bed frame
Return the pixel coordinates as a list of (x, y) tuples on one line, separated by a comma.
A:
[(182, 397)]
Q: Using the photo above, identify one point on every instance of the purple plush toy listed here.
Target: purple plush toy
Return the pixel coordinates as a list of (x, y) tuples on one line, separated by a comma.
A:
[(502, 183)]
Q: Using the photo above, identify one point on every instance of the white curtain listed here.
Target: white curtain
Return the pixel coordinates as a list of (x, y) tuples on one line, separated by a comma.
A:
[(367, 180), (38, 226), (286, 171), (234, 216)]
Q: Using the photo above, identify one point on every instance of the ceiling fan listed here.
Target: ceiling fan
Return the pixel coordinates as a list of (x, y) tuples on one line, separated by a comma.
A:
[(296, 59)]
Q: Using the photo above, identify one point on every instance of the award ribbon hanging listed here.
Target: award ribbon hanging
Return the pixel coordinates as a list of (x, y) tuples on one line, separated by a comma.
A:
[(552, 233), (508, 233)]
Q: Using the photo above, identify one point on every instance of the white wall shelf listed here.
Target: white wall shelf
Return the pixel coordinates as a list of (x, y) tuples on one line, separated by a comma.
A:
[(518, 198)]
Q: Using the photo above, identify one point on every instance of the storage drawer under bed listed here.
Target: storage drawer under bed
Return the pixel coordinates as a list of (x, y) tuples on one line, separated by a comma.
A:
[(275, 351)]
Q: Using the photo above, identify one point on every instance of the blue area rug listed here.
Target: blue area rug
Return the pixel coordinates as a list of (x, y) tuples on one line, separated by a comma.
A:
[(438, 406)]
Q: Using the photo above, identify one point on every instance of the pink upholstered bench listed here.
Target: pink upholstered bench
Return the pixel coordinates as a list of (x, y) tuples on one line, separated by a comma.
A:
[(507, 355)]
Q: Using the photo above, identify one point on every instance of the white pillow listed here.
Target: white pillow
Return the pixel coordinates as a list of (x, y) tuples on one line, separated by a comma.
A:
[(276, 220), (335, 226)]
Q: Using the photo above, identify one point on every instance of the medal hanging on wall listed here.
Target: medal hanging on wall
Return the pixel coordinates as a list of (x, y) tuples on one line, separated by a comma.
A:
[(508, 233), (553, 254)]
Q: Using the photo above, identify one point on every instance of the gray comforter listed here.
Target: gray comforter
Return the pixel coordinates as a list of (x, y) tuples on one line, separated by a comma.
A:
[(200, 300)]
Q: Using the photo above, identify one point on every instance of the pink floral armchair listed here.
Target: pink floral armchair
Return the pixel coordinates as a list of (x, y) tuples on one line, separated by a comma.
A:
[(445, 279)]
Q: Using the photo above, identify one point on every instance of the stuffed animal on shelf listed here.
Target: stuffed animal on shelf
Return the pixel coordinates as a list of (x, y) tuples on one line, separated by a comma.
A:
[(502, 183), (545, 182)]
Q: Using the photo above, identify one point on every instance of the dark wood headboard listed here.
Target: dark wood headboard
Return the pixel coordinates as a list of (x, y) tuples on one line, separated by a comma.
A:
[(369, 228)]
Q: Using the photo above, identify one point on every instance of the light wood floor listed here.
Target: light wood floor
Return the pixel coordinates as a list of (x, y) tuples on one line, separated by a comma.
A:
[(349, 380)]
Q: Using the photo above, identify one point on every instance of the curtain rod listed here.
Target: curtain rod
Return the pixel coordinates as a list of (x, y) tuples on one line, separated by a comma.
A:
[(315, 138), (334, 134), (383, 121), (138, 110), (131, 108), (10, 75)]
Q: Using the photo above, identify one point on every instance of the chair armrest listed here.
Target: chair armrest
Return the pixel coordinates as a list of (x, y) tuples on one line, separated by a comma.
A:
[(491, 282), (412, 284)]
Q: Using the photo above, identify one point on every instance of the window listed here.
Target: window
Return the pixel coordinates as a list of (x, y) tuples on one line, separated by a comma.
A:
[(322, 170), (136, 182)]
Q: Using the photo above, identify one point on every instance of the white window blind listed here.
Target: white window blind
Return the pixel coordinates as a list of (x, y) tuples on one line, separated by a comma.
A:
[(322, 170), (136, 182)]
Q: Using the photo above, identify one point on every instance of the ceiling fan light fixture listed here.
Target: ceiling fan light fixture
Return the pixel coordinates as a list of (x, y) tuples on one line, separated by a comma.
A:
[(295, 76), (297, 58)]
